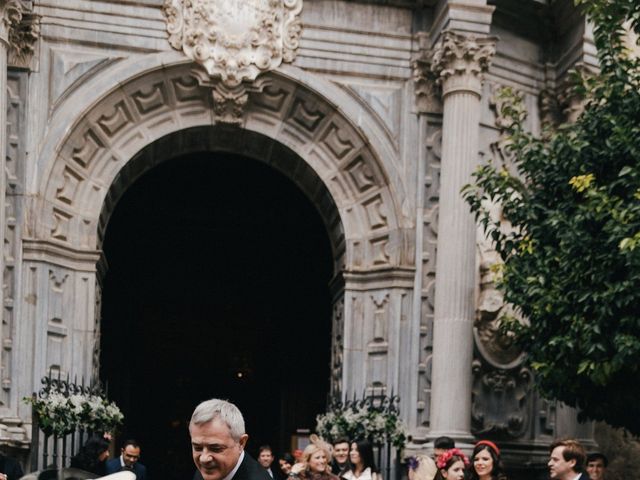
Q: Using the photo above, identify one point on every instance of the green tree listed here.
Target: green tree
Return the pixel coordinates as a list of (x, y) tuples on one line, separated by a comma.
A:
[(571, 255)]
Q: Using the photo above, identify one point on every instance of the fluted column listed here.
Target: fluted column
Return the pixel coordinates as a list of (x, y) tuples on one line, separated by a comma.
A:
[(458, 63)]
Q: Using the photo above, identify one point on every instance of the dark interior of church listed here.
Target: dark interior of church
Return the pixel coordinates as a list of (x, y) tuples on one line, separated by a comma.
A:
[(217, 286)]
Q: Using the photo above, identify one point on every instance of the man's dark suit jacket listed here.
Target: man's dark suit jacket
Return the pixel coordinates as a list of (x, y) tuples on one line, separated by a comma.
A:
[(249, 470), (10, 467), (114, 466)]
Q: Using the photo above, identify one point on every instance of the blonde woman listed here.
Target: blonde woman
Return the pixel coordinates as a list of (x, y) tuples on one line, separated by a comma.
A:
[(315, 464)]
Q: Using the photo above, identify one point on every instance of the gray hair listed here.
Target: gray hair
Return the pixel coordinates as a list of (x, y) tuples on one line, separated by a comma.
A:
[(226, 411)]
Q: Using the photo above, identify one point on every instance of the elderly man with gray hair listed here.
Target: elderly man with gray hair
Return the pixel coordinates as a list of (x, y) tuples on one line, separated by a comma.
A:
[(217, 443)]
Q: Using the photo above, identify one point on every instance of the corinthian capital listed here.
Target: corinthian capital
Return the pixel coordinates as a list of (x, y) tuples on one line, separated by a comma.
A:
[(11, 16), (19, 31), (459, 61)]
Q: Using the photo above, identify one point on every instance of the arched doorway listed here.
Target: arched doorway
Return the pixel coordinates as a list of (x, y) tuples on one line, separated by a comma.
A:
[(217, 286), (111, 132)]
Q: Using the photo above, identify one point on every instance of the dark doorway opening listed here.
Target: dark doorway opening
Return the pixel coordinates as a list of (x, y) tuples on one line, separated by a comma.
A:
[(217, 286)]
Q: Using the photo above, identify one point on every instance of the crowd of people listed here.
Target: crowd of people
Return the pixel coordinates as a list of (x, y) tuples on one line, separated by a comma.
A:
[(218, 441), (568, 460)]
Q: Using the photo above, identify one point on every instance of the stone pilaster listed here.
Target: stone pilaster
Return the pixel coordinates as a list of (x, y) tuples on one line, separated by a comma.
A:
[(458, 63)]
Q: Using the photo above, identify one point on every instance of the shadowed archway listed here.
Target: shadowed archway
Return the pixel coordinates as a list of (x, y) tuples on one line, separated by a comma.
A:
[(217, 286)]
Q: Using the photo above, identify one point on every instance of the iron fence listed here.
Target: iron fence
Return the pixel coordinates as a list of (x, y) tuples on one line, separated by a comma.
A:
[(388, 458), (49, 450)]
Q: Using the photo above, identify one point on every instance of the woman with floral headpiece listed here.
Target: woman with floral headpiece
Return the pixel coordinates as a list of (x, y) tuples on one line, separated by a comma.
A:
[(486, 462), (452, 465)]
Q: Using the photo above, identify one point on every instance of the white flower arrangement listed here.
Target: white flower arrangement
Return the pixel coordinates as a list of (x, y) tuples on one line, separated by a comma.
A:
[(59, 414), (361, 421)]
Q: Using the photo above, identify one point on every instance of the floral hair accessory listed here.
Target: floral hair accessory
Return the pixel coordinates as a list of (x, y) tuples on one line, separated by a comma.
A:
[(414, 463), (446, 456), (491, 445)]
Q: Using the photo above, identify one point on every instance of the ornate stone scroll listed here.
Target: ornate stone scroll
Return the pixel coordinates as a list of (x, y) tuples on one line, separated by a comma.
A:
[(235, 40), (20, 29)]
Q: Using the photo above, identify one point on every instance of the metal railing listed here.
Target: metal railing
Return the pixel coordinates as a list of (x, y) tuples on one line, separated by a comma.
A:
[(388, 457), (49, 450)]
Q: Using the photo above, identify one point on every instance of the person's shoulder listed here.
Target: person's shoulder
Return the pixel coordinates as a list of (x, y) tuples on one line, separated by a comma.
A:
[(112, 465), (250, 469)]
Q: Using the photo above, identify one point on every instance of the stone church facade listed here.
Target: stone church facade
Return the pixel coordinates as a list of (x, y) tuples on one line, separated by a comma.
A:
[(378, 110)]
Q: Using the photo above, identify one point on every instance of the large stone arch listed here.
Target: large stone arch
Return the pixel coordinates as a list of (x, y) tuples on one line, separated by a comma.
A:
[(85, 162), (102, 136)]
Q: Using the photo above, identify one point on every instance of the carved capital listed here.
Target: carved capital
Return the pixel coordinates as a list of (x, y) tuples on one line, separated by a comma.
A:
[(11, 13), (23, 40), (459, 61), (19, 30), (235, 41), (427, 90)]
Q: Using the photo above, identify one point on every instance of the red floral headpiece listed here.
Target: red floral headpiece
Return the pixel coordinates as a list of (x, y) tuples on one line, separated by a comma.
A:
[(446, 456)]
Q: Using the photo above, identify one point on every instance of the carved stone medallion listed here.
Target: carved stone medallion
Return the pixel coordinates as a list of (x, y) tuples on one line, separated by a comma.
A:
[(235, 40)]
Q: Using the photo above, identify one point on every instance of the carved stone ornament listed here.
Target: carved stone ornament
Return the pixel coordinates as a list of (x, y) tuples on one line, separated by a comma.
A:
[(229, 102), (427, 90), (459, 61), (500, 406), (235, 40), (20, 29)]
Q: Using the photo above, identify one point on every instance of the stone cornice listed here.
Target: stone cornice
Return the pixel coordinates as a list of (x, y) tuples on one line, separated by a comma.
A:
[(51, 252), (459, 61), (398, 277)]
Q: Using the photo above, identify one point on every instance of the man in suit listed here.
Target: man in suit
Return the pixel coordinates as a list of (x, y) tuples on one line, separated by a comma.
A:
[(566, 461), (265, 458), (10, 469), (218, 441), (340, 461), (128, 460)]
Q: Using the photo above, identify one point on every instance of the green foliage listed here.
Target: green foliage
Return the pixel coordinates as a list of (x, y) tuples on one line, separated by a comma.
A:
[(572, 252)]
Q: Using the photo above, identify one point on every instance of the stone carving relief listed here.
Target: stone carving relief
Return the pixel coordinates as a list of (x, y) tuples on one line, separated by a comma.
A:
[(560, 102), (429, 244), (337, 348), (234, 42), (16, 91), (501, 405), (427, 89), (378, 345)]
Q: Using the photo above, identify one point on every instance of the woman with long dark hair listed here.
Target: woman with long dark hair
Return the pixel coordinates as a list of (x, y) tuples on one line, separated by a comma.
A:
[(486, 462), (93, 455), (363, 466)]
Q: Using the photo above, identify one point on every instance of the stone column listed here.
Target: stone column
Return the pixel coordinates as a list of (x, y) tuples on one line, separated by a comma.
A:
[(458, 63)]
